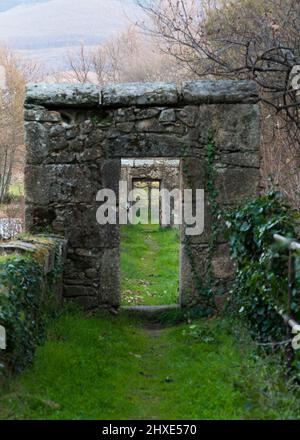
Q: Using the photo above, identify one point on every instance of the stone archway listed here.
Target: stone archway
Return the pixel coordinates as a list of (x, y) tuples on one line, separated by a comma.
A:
[(76, 138)]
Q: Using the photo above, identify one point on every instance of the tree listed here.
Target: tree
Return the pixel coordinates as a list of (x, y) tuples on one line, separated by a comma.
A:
[(238, 39), (128, 57), (15, 74)]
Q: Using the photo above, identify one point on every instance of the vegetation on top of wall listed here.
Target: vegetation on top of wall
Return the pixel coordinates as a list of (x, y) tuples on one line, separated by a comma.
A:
[(261, 268)]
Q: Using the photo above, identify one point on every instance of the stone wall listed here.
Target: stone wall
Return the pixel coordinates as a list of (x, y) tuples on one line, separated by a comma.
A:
[(167, 172), (76, 138), (31, 281)]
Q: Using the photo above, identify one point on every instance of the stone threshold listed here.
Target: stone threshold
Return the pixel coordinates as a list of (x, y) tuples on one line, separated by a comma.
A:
[(148, 310)]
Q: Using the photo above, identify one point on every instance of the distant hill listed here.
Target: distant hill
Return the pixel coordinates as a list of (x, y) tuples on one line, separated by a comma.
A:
[(46, 28), (8, 4)]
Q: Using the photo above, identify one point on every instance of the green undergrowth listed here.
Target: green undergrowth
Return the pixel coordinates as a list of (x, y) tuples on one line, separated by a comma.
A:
[(149, 265), (22, 310), (27, 303), (16, 190), (113, 367), (261, 280)]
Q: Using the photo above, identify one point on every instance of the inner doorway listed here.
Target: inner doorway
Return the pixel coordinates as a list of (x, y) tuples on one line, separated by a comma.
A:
[(148, 190), (149, 248)]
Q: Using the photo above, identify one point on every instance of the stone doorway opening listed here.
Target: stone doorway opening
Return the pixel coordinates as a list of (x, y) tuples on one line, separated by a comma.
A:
[(149, 246), (149, 190), (76, 136)]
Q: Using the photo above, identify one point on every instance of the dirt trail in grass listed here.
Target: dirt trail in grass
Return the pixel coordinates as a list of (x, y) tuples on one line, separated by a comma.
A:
[(106, 367)]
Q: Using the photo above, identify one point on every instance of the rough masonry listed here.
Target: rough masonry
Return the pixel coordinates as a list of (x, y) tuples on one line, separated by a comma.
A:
[(76, 138), (164, 171)]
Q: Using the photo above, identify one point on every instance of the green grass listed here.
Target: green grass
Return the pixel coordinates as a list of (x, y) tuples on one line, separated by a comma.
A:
[(16, 190), (149, 265), (110, 367), (116, 367)]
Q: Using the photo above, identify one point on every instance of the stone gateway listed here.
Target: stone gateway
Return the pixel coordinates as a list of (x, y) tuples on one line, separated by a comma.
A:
[(76, 137)]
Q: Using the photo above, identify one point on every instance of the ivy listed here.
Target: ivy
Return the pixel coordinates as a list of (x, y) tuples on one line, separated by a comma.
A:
[(260, 284), (206, 288), (215, 210), (26, 303)]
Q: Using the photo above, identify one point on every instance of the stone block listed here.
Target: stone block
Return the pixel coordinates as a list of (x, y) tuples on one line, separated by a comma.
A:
[(146, 113), (86, 302), (235, 127), (223, 266), (73, 291), (110, 278), (167, 116), (79, 226), (193, 173), (219, 92), (141, 145), (37, 142), (236, 184), (188, 115), (61, 183), (111, 174), (62, 95), (150, 126), (248, 159), (194, 263), (41, 114), (18, 246), (38, 218), (139, 94)]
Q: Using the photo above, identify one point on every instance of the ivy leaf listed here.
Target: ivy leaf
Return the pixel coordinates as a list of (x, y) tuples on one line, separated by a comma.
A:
[(245, 227)]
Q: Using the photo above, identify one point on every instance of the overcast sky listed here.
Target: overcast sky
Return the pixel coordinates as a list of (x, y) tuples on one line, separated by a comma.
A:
[(44, 29)]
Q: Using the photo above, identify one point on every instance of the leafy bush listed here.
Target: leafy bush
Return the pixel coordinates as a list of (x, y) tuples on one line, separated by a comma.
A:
[(27, 300), (261, 269)]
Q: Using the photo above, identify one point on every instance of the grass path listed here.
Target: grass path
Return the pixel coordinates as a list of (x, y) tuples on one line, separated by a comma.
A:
[(114, 367), (149, 265), (106, 367)]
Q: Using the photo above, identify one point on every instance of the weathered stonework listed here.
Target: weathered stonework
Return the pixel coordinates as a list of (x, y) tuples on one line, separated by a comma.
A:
[(34, 292), (76, 138), (166, 172), (49, 250)]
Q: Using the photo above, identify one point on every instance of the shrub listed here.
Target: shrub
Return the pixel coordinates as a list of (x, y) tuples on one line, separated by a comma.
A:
[(261, 268), (20, 303), (29, 296)]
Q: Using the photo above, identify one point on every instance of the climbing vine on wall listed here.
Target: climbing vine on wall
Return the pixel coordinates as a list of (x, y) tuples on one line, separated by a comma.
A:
[(206, 286), (214, 208)]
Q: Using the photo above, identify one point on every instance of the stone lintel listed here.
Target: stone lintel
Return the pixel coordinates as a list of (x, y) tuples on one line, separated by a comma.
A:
[(141, 94), (62, 95), (219, 92)]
